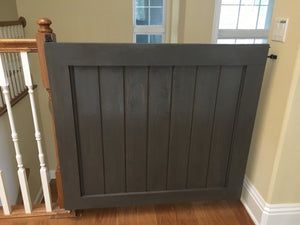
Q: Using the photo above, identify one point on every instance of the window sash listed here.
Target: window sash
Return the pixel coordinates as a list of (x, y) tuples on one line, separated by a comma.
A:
[(149, 29), (149, 33), (240, 33)]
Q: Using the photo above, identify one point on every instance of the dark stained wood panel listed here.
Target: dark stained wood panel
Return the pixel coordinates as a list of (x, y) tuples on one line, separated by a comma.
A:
[(160, 84), (244, 126), (136, 106), (112, 104), (203, 115), (224, 116), (89, 134), (183, 93), (139, 124)]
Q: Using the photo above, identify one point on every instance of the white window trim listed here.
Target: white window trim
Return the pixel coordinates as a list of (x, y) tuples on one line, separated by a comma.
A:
[(237, 33), (150, 29)]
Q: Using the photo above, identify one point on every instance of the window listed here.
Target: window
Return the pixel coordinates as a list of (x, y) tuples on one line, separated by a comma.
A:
[(243, 21), (149, 21)]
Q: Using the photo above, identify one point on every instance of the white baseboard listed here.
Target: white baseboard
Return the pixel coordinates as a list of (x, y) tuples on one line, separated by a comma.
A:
[(263, 213)]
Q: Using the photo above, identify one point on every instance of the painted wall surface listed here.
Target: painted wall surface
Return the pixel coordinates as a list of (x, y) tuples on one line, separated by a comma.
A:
[(275, 150), (77, 20), (197, 21), (8, 10)]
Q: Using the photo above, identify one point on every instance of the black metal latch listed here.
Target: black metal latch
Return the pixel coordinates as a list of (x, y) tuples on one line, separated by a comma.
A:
[(272, 56)]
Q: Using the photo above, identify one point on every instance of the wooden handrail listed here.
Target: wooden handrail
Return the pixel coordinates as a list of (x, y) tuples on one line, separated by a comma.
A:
[(18, 45), (20, 21)]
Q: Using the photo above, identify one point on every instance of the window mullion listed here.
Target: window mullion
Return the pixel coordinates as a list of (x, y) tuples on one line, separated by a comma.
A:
[(238, 18), (259, 7)]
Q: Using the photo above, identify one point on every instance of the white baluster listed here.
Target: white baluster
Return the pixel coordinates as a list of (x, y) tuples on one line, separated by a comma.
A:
[(20, 34), (10, 66), (14, 61), (43, 170), (18, 64), (3, 196), (21, 171)]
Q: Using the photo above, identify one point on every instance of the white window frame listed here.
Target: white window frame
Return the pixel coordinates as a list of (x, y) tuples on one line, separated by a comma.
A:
[(150, 29), (238, 33)]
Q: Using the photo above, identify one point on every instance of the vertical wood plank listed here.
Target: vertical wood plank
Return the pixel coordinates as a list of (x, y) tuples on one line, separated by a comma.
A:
[(136, 103), (205, 97), (89, 132), (160, 82), (180, 129), (112, 104), (244, 126), (226, 106)]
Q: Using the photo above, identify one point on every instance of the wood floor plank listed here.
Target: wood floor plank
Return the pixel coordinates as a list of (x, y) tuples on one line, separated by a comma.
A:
[(127, 216), (146, 215), (185, 215), (165, 215), (209, 213)]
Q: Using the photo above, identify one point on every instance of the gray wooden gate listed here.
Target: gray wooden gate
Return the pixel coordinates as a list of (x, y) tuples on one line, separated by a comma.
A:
[(153, 123)]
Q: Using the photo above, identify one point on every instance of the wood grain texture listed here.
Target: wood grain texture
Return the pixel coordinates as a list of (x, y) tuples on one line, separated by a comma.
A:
[(207, 82), (136, 107), (210, 213), (171, 125), (112, 104), (160, 85), (183, 94), (89, 132)]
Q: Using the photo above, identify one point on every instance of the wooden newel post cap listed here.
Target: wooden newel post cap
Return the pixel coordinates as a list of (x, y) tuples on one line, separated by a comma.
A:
[(44, 25)]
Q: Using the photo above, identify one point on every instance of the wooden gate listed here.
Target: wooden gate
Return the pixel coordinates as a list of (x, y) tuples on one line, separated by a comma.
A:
[(153, 123)]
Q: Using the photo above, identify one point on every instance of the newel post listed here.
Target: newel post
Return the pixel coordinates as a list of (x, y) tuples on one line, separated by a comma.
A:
[(45, 34)]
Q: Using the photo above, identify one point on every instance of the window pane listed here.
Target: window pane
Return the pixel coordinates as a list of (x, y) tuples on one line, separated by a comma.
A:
[(244, 41), (262, 17), (226, 41), (264, 2), (141, 16), (225, 2), (261, 41), (156, 2), (156, 16), (142, 38), (248, 2), (141, 2), (248, 17), (228, 17), (157, 38)]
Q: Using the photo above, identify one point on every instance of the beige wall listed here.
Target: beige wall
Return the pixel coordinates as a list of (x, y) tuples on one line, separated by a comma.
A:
[(197, 21), (8, 10), (273, 156), (77, 20)]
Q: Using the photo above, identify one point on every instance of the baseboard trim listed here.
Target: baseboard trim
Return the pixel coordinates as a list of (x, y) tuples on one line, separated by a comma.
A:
[(263, 213)]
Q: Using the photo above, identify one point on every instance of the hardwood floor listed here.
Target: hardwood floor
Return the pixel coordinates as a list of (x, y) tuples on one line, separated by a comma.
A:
[(212, 213)]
